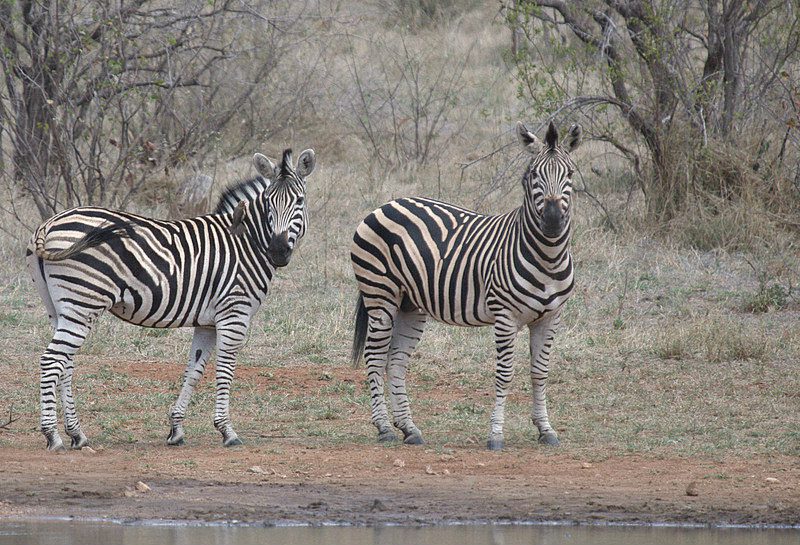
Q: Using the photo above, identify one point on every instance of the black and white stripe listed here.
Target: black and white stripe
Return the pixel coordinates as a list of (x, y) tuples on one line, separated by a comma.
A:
[(246, 190), (414, 258), (211, 273)]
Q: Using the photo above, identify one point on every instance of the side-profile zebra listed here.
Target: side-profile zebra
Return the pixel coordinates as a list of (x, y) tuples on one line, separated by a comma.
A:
[(211, 273), (415, 258)]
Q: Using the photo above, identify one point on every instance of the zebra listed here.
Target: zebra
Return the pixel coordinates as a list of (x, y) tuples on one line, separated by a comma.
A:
[(210, 272), (415, 258)]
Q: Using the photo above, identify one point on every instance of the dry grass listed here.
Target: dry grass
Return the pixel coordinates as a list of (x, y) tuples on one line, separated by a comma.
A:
[(658, 352)]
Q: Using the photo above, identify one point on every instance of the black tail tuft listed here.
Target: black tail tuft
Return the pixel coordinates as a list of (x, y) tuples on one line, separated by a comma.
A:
[(360, 330)]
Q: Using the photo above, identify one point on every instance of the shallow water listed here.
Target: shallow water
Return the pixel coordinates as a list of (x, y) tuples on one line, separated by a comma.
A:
[(93, 533)]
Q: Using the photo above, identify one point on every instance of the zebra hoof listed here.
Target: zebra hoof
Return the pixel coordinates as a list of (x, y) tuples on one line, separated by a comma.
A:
[(175, 437), (387, 436), (232, 442), (550, 439), (496, 443), (54, 443), (79, 441), (414, 439)]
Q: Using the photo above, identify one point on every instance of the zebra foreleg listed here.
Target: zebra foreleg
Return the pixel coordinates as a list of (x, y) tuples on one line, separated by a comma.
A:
[(229, 342), (202, 347), (504, 336), (408, 328), (541, 335), (379, 338)]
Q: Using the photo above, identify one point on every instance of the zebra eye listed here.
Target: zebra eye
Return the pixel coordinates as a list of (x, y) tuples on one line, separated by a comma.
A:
[(300, 200), (570, 172)]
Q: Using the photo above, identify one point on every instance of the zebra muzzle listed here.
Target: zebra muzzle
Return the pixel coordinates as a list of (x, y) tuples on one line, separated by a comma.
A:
[(279, 251), (552, 219)]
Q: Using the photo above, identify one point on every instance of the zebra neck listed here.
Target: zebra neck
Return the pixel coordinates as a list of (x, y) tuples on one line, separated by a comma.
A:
[(546, 254), (254, 265)]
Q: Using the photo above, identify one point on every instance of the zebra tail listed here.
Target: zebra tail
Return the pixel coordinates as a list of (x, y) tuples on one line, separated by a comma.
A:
[(360, 330), (95, 237)]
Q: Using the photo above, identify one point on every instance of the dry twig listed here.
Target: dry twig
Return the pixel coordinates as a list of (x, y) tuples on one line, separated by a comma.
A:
[(7, 424)]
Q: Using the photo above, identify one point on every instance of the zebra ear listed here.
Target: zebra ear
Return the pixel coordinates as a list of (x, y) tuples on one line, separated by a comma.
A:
[(574, 138), (527, 138), (264, 166), (239, 213), (306, 163)]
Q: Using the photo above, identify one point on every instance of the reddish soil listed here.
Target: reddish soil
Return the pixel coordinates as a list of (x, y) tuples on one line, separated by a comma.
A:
[(373, 485), (306, 480)]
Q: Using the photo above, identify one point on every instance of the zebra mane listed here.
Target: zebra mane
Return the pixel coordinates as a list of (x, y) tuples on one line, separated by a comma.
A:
[(243, 190), (286, 163), (551, 138)]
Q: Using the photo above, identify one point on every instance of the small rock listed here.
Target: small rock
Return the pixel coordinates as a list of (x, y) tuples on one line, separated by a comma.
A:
[(586, 465), (446, 471), (691, 490), (446, 457), (129, 493), (88, 450), (377, 505), (256, 469), (771, 480), (399, 463), (141, 487), (429, 470)]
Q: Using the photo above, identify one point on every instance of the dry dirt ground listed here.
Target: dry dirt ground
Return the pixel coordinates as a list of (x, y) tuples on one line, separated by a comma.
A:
[(358, 484), (375, 485)]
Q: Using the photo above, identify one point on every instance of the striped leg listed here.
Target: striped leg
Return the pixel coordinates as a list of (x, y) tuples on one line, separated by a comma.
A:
[(55, 369), (379, 337), (71, 424), (542, 333), (505, 334), (229, 341), (202, 346), (408, 328)]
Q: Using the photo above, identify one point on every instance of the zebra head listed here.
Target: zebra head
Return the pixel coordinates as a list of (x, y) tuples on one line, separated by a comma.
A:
[(548, 180), (285, 202)]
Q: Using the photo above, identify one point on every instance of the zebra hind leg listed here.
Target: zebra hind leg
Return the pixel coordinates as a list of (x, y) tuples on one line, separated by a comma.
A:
[(55, 369), (202, 347), (408, 328), (71, 424), (378, 341)]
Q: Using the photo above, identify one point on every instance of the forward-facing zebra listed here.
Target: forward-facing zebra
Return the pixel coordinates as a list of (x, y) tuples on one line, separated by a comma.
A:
[(415, 258), (211, 273)]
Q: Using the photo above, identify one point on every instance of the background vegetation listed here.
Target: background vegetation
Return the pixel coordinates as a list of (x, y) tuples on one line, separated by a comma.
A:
[(682, 337)]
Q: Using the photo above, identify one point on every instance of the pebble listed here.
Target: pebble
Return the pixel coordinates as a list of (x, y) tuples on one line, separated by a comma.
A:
[(256, 469), (141, 487), (691, 490), (772, 480), (586, 465), (429, 470), (399, 463)]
